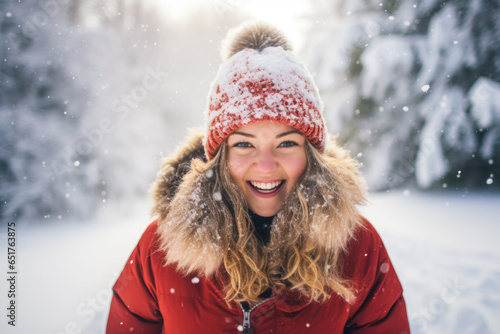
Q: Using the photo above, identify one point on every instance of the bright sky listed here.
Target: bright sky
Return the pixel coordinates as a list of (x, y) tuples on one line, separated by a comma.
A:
[(282, 13)]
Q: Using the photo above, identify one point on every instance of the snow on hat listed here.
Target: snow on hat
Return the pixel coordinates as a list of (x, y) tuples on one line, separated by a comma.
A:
[(261, 79)]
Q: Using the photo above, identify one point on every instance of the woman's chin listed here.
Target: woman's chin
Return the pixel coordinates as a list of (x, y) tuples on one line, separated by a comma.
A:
[(265, 212)]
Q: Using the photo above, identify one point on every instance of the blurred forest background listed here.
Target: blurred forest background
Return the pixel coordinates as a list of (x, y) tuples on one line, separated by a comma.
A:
[(93, 93)]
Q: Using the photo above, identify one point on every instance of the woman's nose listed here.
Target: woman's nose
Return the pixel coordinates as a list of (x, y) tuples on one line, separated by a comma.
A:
[(265, 162)]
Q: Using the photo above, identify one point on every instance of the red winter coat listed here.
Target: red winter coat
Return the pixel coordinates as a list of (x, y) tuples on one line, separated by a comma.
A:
[(151, 298)]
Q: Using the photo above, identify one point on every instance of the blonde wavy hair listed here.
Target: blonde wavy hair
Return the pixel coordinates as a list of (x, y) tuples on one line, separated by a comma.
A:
[(206, 227)]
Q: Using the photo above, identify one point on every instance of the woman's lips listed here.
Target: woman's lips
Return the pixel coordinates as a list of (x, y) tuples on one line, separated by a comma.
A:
[(256, 186)]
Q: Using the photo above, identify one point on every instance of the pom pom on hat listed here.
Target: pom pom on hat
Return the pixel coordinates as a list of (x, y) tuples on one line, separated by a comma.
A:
[(253, 35), (262, 80)]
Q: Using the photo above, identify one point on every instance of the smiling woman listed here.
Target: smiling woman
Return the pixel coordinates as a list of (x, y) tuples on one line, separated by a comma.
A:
[(257, 227)]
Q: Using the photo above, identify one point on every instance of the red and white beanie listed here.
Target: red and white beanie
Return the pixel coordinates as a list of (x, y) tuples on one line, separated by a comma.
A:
[(262, 80)]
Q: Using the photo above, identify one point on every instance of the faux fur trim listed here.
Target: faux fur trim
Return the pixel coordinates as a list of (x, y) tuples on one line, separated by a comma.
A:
[(181, 203), (173, 168)]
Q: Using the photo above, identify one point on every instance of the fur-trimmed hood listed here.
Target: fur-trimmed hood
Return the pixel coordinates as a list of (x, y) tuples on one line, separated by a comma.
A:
[(182, 201)]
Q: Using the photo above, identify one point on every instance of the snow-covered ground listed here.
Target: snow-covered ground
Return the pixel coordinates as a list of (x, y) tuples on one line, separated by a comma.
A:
[(445, 251), (444, 248)]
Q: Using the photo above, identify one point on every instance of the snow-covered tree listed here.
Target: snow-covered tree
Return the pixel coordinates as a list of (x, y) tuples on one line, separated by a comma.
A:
[(39, 114), (413, 87), (78, 94)]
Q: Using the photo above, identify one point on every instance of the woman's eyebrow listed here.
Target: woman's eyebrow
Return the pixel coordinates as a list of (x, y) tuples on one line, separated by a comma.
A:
[(243, 134), (288, 133)]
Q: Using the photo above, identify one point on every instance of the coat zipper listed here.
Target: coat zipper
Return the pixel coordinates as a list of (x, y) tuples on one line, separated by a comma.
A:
[(246, 315)]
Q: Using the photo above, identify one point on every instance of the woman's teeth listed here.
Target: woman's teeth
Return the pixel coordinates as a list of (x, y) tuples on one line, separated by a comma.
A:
[(266, 186)]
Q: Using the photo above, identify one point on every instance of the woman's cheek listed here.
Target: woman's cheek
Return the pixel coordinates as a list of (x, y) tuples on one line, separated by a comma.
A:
[(236, 168), (296, 166)]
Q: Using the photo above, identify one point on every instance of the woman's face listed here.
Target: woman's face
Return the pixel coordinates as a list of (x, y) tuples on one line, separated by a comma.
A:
[(266, 159)]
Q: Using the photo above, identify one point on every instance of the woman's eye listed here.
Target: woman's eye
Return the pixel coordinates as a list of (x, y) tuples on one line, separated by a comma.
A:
[(242, 144), (288, 143)]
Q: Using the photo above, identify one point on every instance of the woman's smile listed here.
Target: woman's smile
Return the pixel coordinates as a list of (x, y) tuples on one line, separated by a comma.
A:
[(266, 189)]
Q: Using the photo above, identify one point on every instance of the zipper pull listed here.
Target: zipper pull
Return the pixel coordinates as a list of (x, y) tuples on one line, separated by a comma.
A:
[(246, 322), (246, 318)]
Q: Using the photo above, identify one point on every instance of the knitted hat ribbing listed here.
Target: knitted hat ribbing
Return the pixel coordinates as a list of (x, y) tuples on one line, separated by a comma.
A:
[(262, 83)]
